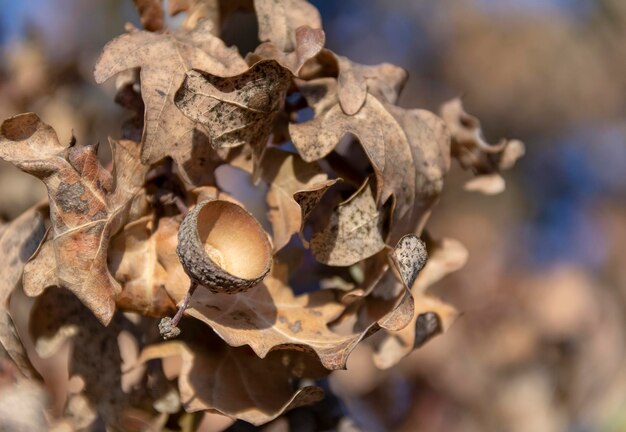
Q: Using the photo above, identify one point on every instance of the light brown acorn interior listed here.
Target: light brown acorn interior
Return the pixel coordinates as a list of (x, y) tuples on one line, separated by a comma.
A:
[(233, 239)]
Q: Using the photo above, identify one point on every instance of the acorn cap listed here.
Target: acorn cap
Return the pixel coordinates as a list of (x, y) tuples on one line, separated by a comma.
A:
[(222, 247)]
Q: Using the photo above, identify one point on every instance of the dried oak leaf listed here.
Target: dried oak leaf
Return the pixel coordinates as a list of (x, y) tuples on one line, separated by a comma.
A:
[(151, 14), (235, 110), (87, 206), (309, 43), (409, 257), (164, 58), (270, 317), (295, 188), (431, 315), (368, 304), (409, 149), (279, 19), (19, 239), (354, 230), (355, 81), (380, 135), (472, 151), (429, 140), (234, 381), (142, 258)]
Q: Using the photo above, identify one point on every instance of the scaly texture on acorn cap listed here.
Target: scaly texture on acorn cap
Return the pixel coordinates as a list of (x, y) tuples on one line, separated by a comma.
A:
[(222, 247)]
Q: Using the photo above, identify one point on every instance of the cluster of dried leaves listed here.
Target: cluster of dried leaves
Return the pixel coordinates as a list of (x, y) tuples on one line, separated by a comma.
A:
[(348, 180)]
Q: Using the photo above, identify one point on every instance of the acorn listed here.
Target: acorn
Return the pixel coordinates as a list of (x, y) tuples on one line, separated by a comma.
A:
[(223, 248)]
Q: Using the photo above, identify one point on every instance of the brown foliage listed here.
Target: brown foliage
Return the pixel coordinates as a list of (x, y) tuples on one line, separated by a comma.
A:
[(152, 233)]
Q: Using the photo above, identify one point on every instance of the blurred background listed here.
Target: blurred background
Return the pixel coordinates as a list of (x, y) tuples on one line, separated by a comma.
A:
[(541, 342)]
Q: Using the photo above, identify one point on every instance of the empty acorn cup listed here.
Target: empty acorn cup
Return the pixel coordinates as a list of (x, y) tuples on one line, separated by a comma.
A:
[(222, 247)]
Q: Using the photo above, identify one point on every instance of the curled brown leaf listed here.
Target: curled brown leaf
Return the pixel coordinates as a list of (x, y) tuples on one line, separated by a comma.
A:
[(142, 258), (234, 381), (429, 141), (409, 256), (309, 43), (235, 110), (409, 149), (87, 206), (382, 287), (270, 317), (164, 58), (431, 315), (355, 81), (380, 135), (354, 230), (295, 188), (473, 152)]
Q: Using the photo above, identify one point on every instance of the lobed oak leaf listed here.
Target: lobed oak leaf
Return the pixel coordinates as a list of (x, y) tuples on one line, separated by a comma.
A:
[(234, 381), (279, 19), (308, 199), (409, 150), (431, 315), (382, 287), (87, 206), (26, 138), (354, 230), (472, 151), (270, 317), (164, 58), (295, 188), (380, 135), (235, 110), (19, 239), (355, 81), (142, 258), (429, 141), (309, 43)]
